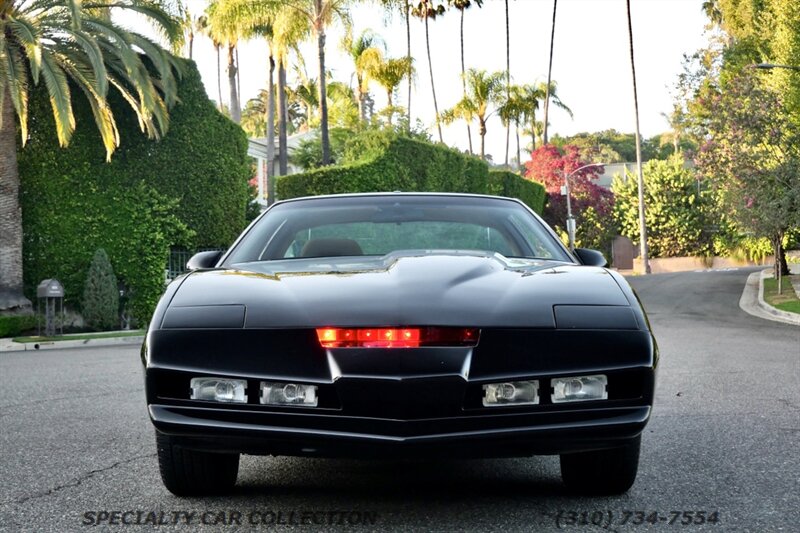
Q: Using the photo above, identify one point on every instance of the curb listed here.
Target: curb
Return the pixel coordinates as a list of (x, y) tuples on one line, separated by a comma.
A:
[(752, 301), (792, 318), (7, 345)]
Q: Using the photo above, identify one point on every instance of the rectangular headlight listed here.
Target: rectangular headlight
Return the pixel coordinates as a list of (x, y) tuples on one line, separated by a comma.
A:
[(579, 388), (219, 390), (511, 393), (288, 394)]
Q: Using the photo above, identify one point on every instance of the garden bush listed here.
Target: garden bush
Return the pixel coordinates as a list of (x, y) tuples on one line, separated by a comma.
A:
[(13, 326), (384, 161), (677, 213), (188, 188), (101, 294)]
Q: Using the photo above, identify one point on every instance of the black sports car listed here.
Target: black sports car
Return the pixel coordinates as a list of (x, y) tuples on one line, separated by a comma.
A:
[(399, 325)]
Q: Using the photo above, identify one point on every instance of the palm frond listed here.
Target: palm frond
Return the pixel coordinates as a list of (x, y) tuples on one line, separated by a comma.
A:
[(104, 119), (28, 36), (16, 82), (58, 88), (94, 55)]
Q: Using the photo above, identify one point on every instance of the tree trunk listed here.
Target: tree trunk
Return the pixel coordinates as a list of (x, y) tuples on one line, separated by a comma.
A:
[(433, 86), (464, 81), (549, 75), (12, 300), (271, 133), (519, 156), (362, 112), (323, 90), (482, 133), (389, 106), (408, 55), (780, 267), (508, 80), (219, 78), (235, 109), (283, 116), (238, 80), (643, 253), (191, 44)]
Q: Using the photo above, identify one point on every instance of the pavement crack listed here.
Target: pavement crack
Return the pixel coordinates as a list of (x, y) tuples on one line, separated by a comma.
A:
[(67, 398), (75, 481)]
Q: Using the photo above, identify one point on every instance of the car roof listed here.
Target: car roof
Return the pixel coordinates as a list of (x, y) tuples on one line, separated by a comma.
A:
[(401, 193)]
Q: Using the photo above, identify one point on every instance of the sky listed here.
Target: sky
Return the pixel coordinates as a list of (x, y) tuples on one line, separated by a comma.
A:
[(591, 60)]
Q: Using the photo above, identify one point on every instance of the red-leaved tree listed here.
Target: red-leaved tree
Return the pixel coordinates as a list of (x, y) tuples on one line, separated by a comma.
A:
[(591, 204)]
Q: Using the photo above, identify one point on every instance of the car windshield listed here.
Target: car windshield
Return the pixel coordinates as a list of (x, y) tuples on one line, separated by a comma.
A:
[(379, 225)]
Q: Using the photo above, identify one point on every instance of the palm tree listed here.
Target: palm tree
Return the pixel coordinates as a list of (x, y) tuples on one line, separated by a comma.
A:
[(290, 29), (306, 95), (513, 110), (549, 72), (201, 27), (463, 5), (642, 224), (318, 15), (482, 90), (407, 15), (366, 54), (404, 6), (224, 29), (425, 10), (508, 79), (533, 94), (70, 45), (192, 27), (388, 75)]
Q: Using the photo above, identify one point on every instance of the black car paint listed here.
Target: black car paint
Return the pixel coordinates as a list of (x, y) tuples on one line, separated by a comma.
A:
[(538, 320)]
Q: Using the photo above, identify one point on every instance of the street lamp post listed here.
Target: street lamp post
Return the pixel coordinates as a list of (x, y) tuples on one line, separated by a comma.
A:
[(565, 192)]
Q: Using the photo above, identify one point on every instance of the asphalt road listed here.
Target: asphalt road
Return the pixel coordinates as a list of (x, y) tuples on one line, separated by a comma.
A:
[(724, 438)]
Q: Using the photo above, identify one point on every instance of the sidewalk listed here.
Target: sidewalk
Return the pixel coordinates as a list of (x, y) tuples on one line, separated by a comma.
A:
[(8, 345), (752, 300)]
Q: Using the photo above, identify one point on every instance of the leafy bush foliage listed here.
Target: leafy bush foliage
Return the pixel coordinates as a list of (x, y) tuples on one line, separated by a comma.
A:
[(101, 294), (512, 185), (12, 326), (189, 188), (591, 204), (678, 208), (386, 161), (308, 154)]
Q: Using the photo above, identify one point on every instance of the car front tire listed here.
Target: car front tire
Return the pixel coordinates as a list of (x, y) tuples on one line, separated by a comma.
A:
[(602, 472), (188, 472)]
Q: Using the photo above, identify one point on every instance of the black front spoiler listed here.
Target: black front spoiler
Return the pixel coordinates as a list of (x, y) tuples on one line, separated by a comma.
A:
[(325, 435)]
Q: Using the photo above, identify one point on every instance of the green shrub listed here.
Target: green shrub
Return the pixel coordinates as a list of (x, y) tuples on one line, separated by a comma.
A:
[(189, 188), (100, 304), (13, 326), (677, 211), (505, 183), (385, 161)]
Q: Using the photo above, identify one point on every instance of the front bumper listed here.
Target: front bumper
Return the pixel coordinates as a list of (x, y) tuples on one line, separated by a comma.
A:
[(502, 435), (402, 403)]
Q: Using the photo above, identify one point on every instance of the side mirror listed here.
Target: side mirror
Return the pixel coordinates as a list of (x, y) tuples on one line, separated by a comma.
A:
[(591, 257), (202, 260)]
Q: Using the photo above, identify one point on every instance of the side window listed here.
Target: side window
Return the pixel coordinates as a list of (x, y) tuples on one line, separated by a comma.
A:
[(532, 235)]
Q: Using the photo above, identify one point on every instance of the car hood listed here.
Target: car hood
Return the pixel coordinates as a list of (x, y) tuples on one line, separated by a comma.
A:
[(441, 289)]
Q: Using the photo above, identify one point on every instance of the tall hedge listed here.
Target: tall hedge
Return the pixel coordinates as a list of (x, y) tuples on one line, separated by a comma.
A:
[(505, 183), (189, 188), (385, 162)]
